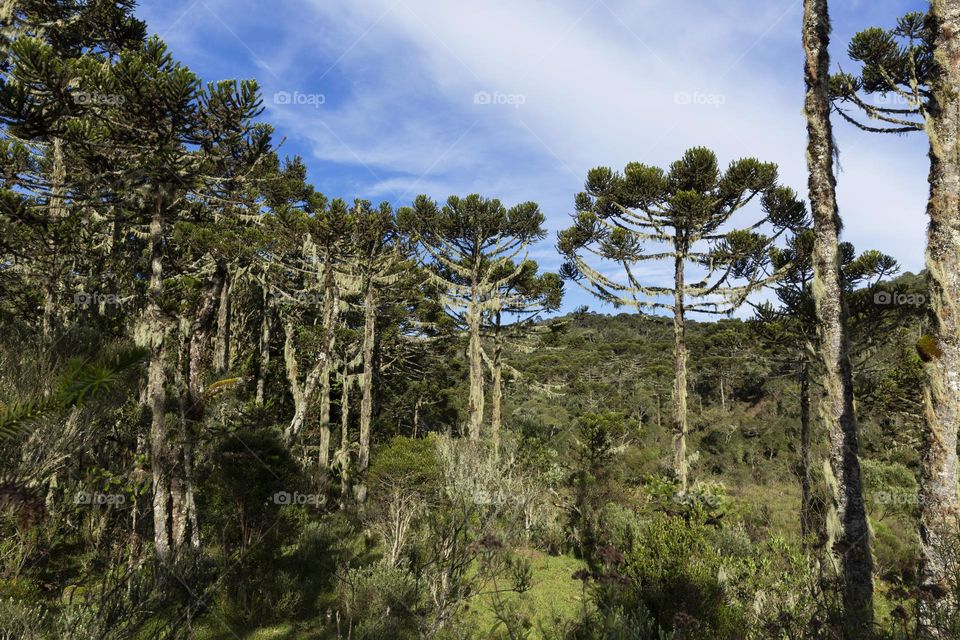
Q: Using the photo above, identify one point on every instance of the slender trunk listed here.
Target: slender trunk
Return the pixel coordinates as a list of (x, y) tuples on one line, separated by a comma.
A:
[(323, 457), (345, 435), (266, 322), (659, 412), (850, 540), (366, 386), (221, 354), (416, 415), (723, 395), (475, 404), (806, 499), (939, 515), (57, 211), (496, 395), (680, 375), (156, 392)]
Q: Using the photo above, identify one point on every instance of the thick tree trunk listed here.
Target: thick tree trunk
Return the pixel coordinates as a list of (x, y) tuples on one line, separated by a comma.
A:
[(496, 393), (366, 387), (679, 376), (848, 519), (939, 516), (806, 499), (475, 355)]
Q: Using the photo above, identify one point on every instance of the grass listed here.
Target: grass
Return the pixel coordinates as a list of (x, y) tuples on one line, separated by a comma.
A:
[(554, 595)]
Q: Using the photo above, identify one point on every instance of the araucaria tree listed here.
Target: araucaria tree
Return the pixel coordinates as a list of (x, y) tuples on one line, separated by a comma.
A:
[(847, 521), (685, 213), (465, 244), (914, 71)]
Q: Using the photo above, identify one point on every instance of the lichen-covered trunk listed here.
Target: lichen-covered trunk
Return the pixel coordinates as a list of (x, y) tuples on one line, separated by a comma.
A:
[(221, 354), (848, 529), (806, 498), (154, 337), (366, 386), (939, 514), (475, 356), (496, 392), (57, 211), (323, 457), (679, 376)]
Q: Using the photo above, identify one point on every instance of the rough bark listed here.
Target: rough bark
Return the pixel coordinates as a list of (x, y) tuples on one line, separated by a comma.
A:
[(679, 378), (848, 528), (806, 498), (938, 504)]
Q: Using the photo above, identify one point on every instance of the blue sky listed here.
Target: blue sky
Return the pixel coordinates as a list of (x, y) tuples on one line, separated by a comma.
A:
[(517, 99)]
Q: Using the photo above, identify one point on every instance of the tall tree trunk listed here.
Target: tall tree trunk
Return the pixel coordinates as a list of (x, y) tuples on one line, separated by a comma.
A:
[(366, 386), (496, 393), (323, 457), (366, 383), (266, 323), (679, 376), (155, 339), (848, 519), (57, 211), (939, 516), (345, 435), (806, 499), (475, 355), (723, 395)]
